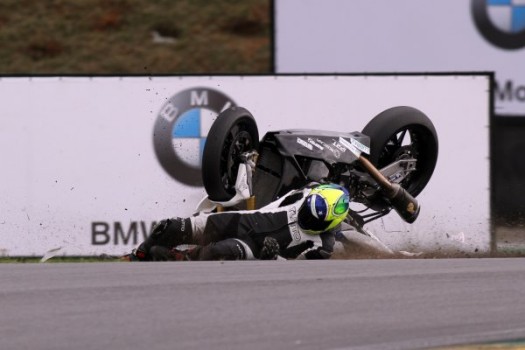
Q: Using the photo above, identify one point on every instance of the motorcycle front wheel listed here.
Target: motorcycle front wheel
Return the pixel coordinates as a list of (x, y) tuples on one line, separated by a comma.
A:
[(404, 132), (231, 134)]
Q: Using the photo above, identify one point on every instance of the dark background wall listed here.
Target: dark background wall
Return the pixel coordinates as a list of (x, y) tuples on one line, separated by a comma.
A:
[(508, 170)]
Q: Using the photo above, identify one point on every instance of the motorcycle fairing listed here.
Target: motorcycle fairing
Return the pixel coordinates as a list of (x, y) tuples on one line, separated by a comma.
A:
[(329, 146)]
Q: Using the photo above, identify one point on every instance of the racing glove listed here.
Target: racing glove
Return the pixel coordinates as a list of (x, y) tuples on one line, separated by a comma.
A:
[(270, 249), (318, 253)]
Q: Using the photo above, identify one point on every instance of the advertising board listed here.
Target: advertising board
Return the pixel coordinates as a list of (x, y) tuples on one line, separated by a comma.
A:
[(89, 164)]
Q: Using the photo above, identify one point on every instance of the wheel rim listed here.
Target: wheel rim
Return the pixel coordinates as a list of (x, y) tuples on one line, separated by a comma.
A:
[(237, 142), (408, 142)]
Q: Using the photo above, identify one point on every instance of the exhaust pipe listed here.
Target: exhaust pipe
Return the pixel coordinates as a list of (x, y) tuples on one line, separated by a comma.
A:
[(403, 202), (405, 205)]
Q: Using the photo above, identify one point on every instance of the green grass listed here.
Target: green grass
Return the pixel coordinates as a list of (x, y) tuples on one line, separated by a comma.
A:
[(114, 37)]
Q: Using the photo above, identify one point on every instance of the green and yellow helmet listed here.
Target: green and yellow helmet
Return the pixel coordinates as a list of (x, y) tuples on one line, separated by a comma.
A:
[(325, 207)]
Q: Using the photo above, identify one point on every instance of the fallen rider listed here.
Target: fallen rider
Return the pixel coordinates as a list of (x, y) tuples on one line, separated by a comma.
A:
[(300, 225)]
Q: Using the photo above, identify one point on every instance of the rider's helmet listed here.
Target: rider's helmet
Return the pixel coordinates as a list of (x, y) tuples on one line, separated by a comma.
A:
[(325, 207)]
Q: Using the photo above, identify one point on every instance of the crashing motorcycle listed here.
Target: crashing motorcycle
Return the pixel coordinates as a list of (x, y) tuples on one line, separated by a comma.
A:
[(384, 167)]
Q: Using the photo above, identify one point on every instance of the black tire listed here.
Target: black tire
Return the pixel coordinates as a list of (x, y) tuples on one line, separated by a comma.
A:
[(231, 134), (389, 132)]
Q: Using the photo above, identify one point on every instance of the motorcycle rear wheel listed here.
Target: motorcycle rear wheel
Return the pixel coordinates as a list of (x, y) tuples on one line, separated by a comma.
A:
[(232, 133), (404, 132)]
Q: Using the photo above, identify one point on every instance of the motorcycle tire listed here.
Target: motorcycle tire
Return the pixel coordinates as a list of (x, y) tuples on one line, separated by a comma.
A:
[(404, 132), (231, 134)]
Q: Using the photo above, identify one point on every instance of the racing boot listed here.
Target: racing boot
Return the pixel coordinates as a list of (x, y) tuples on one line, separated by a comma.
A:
[(167, 233), (135, 255)]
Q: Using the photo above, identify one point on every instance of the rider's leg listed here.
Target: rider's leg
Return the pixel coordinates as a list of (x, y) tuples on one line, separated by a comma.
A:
[(228, 249), (236, 249), (168, 233), (160, 253)]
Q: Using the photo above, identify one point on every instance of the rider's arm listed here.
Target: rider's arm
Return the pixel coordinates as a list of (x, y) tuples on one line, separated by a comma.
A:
[(325, 250), (295, 251)]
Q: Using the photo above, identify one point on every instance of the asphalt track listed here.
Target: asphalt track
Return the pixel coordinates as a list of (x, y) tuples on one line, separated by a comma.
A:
[(337, 304)]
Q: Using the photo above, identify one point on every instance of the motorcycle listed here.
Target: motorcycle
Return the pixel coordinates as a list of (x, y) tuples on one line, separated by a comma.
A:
[(384, 167)]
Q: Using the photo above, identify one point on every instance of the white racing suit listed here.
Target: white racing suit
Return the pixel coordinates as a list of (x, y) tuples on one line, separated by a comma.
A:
[(234, 235)]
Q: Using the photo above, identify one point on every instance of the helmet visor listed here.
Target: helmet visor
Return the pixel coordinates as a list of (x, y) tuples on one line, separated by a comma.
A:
[(342, 205)]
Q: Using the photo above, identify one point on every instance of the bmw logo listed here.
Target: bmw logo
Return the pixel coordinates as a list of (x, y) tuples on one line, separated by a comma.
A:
[(501, 22), (181, 128)]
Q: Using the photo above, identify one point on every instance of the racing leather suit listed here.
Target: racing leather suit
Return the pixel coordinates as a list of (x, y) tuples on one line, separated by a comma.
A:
[(235, 235)]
